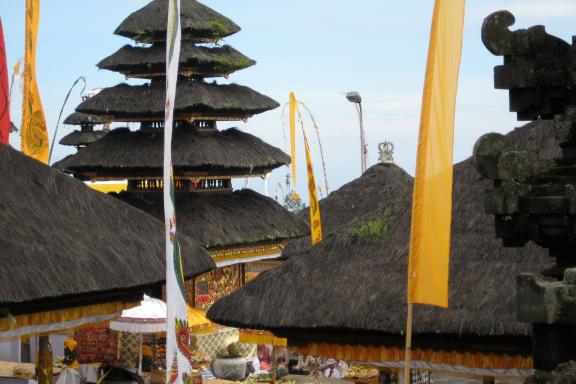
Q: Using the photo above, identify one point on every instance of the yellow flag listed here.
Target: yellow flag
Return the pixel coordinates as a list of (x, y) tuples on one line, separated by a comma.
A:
[(315, 222), (16, 68), (293, 107), (34, 133), (432, 201)]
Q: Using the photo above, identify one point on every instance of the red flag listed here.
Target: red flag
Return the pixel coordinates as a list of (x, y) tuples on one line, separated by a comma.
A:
[(4, 98)]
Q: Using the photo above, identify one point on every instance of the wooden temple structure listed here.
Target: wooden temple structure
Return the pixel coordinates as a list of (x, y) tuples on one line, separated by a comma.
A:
[(242, 230)]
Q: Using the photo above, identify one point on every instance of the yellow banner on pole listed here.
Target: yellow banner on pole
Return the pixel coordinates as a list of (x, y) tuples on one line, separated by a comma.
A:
[(293, 107), (432, 201), (34, 133), (315, 222)]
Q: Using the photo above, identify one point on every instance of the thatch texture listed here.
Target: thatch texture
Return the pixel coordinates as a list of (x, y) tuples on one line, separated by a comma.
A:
[(218, 152), (381, 187), (356, 283), (77, 118), (79, 138), (225, 219), (61, 240), (125, 102), (133, 61), (198, 23)]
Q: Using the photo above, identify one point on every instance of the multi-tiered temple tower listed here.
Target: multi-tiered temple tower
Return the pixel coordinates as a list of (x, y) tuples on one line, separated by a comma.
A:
[(240, 229), (86, 135)]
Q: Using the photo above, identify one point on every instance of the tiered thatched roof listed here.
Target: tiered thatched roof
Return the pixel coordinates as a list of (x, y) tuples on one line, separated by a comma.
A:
[(125, 102), (198, 22), (126, 153), (225, 219), (150, 61), (354, 283), (61, 240), (81, 138), (77, 118)]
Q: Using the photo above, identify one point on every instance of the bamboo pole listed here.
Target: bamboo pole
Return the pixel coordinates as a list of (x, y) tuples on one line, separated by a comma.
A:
[(408, 349), (140, 356), (274, 365), (44, 361)]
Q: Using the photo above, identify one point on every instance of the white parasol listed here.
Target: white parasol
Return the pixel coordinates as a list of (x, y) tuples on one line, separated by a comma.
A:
[(148, 317)]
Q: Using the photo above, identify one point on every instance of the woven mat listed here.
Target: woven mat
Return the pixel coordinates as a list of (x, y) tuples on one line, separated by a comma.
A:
[(214, 344)]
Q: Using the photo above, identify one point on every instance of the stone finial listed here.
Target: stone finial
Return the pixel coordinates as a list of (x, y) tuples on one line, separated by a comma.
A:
[(386, 150)]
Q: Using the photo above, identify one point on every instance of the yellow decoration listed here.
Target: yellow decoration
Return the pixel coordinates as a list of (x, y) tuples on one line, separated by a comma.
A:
[(146, 351), (34, 133), (62, 315), (381, 354), (293, 107), (16, 68), (245, 252), (69, 353), (251, 336), (70, 344), (251, 276), (432, 200), (108, 187), (198, 322), (315, 222)]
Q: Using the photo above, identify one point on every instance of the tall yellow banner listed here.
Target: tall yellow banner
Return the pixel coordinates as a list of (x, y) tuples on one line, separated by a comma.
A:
[(315, 222), (432, 202), (34, 133), (293, 107)]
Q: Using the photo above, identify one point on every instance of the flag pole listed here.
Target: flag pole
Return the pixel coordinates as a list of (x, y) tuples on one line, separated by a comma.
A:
[(408, 348)]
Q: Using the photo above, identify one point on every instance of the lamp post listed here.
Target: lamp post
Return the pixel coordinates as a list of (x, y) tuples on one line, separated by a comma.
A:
[(354, 97)]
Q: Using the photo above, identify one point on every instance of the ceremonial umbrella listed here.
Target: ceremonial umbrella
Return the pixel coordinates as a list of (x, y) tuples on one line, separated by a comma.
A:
[(150, 317)]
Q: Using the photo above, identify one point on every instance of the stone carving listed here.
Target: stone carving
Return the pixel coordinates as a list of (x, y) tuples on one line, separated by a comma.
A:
[(386, 152), (534, 198)]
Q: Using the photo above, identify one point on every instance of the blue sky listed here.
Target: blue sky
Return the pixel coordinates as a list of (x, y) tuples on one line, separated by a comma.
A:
[(318, 49)]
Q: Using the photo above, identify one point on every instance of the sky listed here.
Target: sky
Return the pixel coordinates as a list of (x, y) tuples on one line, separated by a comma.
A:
[(318, 49)]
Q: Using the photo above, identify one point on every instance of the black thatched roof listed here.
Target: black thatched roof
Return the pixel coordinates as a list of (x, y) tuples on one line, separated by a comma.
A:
[(381, 187), (78, 138), (225, 219), (151, 61), (77, 118), (350, 284), (125, 102), (198, 23), (140, 153), (61, 240)]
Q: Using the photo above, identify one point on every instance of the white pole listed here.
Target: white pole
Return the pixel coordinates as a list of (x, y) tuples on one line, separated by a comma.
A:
[(363, 144), (266, 185), (140, 358), (408, 348)]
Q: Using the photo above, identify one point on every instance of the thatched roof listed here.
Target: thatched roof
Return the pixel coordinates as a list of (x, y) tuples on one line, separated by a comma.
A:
[(125, 102), (225, 219), (226, 152), (61, 240), (381, 187), (151, 61), (198, 23), (78, 138), (351, 283), (77, 118)]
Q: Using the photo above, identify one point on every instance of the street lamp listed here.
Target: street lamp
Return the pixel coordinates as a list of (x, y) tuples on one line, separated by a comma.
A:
[(354, 97)]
